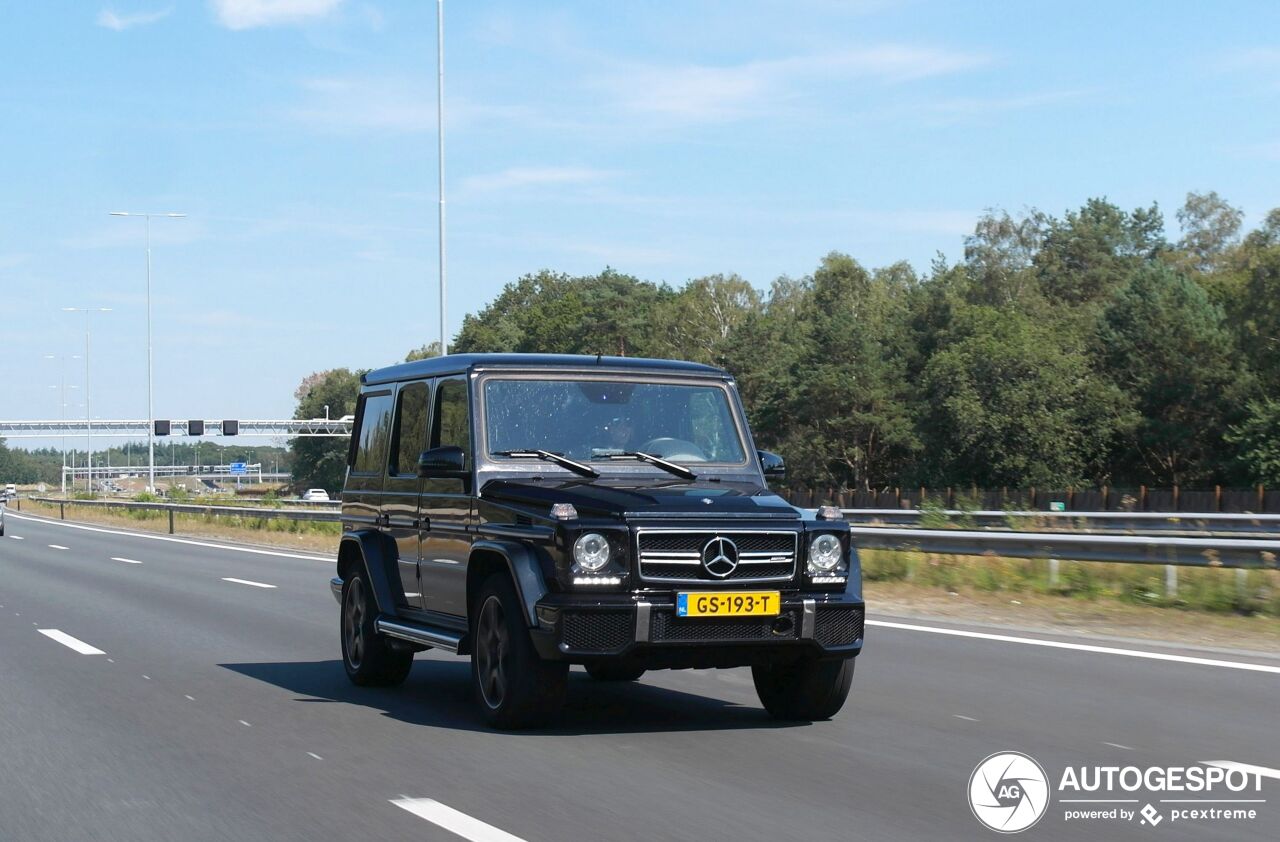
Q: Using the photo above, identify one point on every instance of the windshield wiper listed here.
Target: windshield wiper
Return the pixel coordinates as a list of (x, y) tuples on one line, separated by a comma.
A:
[(548, 456), (656, 461)]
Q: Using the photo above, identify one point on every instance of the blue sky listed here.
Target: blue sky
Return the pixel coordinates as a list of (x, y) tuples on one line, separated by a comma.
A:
[(666, 139)]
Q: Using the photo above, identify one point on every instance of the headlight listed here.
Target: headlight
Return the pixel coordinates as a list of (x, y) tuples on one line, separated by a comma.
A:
[(824, 553), (591, 552)]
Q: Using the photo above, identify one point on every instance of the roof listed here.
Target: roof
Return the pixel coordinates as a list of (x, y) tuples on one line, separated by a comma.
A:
[(458, 363)]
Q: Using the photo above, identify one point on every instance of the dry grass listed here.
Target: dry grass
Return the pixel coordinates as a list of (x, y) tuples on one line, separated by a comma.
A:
[(321, 538)]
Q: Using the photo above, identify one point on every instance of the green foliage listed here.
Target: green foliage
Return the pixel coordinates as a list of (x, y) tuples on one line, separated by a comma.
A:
[(1257, 438), (322, 462), (1080, 349), (1168, 350)]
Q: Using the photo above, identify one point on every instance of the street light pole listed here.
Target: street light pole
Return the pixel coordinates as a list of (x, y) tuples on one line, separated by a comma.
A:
[(62, 406), (88, 413), (151, 405), (444, 336)]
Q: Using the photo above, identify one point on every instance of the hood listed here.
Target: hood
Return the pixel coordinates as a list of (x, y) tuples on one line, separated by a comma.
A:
[(641, 497)]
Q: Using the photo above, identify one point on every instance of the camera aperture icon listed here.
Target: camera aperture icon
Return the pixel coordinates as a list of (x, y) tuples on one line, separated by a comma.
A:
[(1008, 792)]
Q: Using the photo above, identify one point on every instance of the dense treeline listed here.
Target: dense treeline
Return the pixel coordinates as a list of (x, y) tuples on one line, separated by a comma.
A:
[(1073, 350), (1086, 349), (27, 467)]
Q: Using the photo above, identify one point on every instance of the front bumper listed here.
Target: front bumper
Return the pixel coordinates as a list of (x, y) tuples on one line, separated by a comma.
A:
[(645, 628)]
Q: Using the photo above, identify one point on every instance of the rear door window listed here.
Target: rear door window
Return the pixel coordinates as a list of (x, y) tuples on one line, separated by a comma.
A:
[(375, 434)]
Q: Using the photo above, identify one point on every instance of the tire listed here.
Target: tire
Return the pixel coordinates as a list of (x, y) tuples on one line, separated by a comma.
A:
[(514, 687), (804, 690), (614, 671), (367, 656)]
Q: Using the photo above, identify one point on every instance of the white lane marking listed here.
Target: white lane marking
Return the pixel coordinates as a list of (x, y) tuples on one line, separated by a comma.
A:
[(17, 537), (58, 547), (229, 547), (190, 698), (147, 677), (1081, 647), (1117, 745), (125, 560), (70, 642), (316, 756), (246, 582), (245, 724), (454, 821), (1264, 771), (965, 718)]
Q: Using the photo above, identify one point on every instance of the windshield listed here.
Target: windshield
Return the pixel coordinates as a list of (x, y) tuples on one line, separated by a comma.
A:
[(592, 420)]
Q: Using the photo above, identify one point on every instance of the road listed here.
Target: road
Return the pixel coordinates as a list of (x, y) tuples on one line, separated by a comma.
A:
[(212, 707)]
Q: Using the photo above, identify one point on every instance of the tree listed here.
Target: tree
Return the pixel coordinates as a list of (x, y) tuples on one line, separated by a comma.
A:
[(698, 321), (423, 352), (1004, 402), (1209, 228), (1257, 439), (1090, 253), (1166, 347), (320, 462)]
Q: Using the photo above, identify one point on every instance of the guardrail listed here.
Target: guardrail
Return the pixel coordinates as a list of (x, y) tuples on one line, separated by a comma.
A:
[(255, 512), (1132, 522), (1239, 553)]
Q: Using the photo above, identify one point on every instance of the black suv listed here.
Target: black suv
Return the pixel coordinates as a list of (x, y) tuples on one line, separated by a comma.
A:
[(537, 511)]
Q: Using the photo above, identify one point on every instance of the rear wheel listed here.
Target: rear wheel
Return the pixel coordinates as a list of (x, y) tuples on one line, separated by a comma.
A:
[(804, 690), (614, 671), (514, 687), (367, 656)]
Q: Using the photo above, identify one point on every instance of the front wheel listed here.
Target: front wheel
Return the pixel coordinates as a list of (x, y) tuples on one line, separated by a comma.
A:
[(515, 688), (804, 690), (367, 656)]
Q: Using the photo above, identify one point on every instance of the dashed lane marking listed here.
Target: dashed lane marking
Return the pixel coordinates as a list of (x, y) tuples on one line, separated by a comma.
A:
[(454, 821), (58, 547), (965, 718), (125, 560), (71, 642), (1080, 647), (1117, 745), (246, 582)]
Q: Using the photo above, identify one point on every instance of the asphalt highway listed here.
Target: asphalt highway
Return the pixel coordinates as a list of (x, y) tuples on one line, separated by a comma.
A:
[(155, 689)]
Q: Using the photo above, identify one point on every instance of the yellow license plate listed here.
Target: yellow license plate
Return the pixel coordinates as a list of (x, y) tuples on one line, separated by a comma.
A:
[(740, 604)]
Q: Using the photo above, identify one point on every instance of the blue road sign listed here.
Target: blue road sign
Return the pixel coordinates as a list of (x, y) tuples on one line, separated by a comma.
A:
[(238, 468)]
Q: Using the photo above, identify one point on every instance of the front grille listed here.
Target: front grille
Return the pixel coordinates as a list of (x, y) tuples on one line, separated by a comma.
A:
[(837, 626), (668, 555), (597, 631), (668, 628)]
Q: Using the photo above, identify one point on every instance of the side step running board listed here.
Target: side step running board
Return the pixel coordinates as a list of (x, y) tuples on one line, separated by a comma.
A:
[(437, 638)]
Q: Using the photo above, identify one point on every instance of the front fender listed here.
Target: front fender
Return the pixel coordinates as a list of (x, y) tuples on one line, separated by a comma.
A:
[(525, 572)]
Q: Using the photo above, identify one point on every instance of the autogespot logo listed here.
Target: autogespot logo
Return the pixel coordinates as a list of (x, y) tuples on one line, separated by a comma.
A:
[(1008, 792)]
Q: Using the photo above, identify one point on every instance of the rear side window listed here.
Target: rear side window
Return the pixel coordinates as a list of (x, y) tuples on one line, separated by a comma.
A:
[(411, 429), (452, 422), (375, 435)]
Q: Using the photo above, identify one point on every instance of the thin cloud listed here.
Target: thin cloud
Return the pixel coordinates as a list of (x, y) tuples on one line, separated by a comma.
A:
[(515, 178), (717, 93), (388, 104), (110, 19), (251, 14)]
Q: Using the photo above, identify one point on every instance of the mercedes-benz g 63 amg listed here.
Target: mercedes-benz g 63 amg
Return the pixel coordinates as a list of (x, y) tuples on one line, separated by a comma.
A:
[(538, 511)]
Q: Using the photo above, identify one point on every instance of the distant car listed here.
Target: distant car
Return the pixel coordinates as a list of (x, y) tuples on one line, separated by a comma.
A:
[(316, 494), (10, 491)]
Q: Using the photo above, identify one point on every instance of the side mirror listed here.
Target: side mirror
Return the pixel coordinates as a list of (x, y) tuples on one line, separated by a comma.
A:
[(446, 461), (772, 465)]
